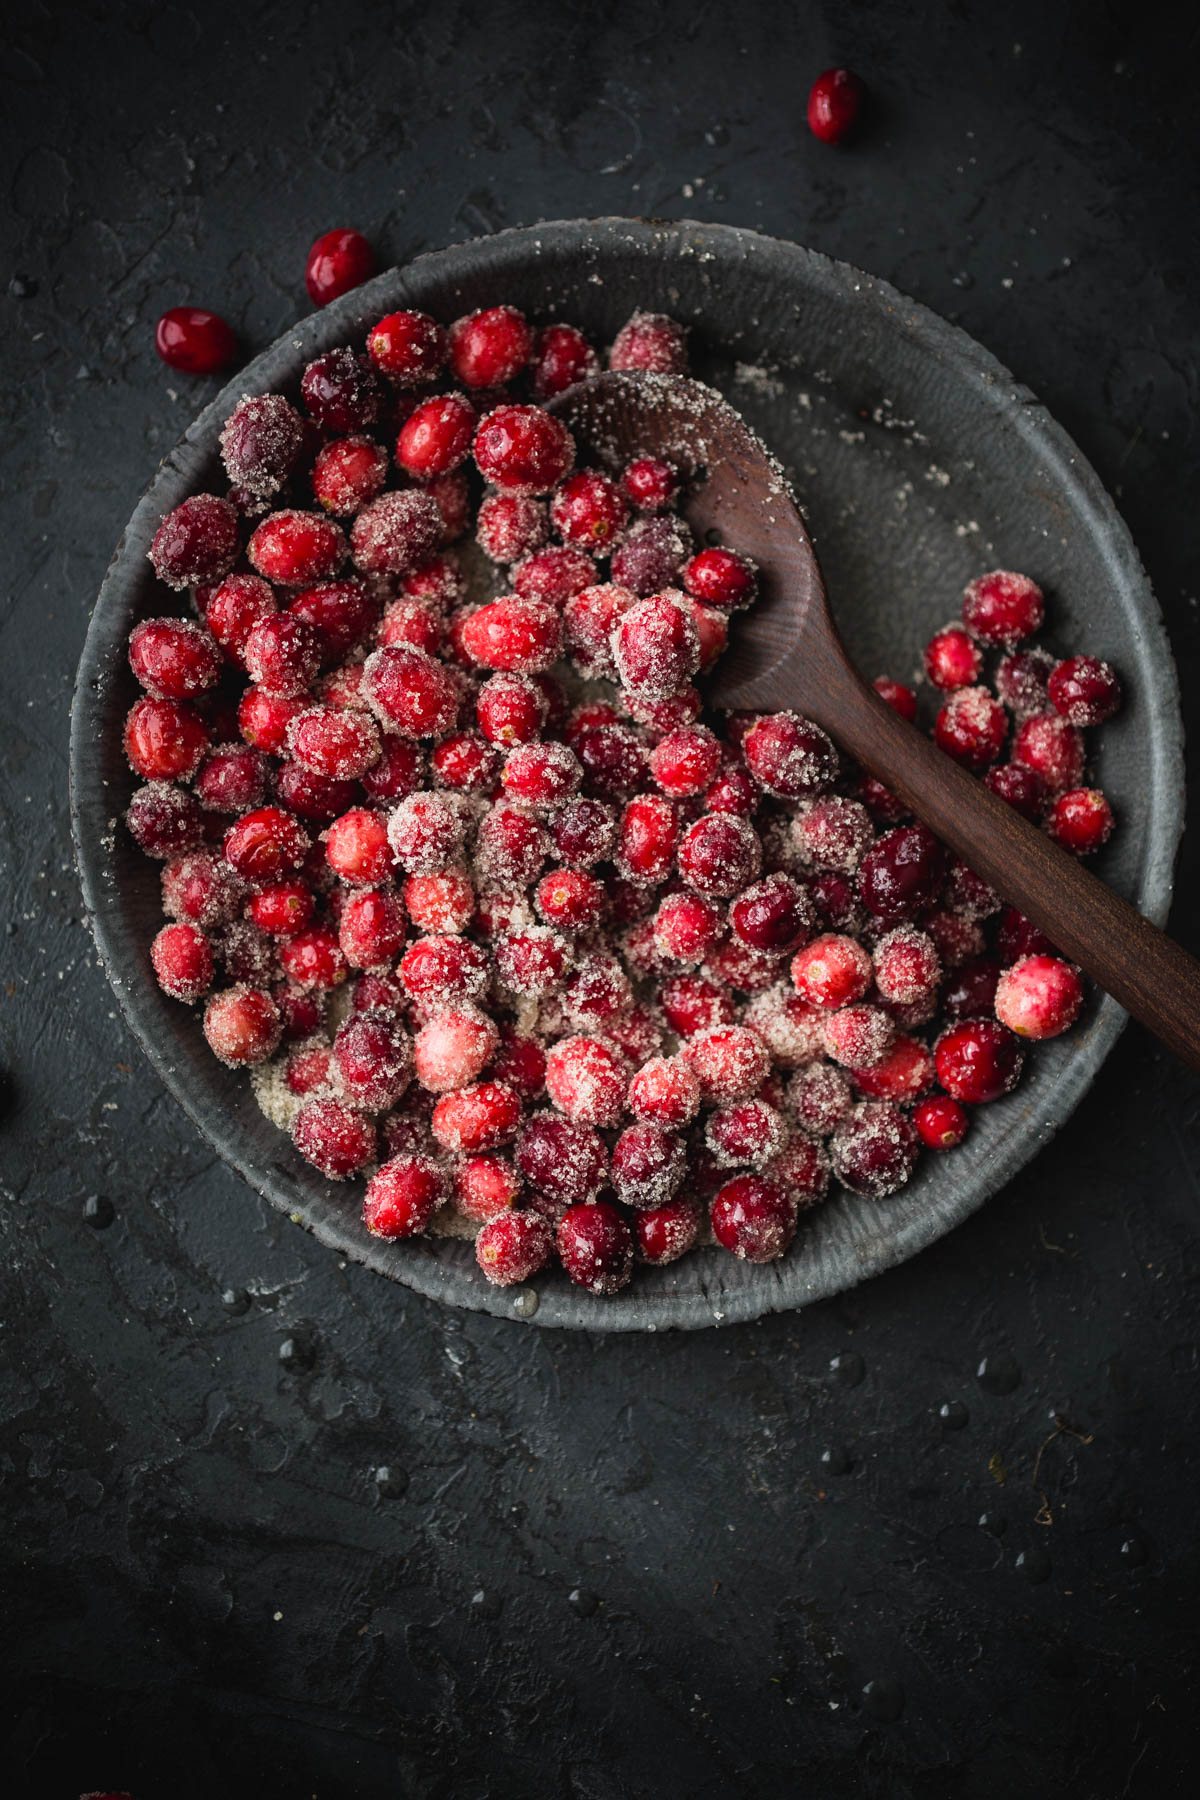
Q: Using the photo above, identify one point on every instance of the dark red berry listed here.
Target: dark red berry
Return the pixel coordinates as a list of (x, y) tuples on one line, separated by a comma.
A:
[(1002, 608), (978, 1060), (194, 340), (834, 103), (334, 1138), (874, 1150), (408, 347), (1084, 690), (1081, 820), (489, 347), (338, 261), (561, 357), (753, 1219), (341, 391), (595, 1247), (197, 542), (901, 873), (653, 342)]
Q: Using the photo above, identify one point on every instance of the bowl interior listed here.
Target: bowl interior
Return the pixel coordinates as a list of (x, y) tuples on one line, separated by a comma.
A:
[(920, 463)]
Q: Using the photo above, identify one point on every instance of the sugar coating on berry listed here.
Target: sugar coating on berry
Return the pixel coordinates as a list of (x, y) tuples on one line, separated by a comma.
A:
[(653, 342), (595, 1247), (648, 1165), (1002, 608), (793, 1031), (656, 646), (395, 532), (819, 1097), (906, 965), (562, 1159), (1039, 997), (753, 1218), (746, 1134), (261, 442), (790, 756), (874, 1149), (242, 1025), (729, 1061), (196, 542), (336, 1139), (403, 1195), (833, 833), (513, 1247), (454, 1048), (586, 1079)]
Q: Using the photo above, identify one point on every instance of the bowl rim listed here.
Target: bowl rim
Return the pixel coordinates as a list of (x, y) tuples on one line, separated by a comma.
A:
[(781, 1287)]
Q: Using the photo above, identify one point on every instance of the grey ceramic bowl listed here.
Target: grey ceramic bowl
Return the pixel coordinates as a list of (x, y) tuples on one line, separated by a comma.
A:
[(920, 462)]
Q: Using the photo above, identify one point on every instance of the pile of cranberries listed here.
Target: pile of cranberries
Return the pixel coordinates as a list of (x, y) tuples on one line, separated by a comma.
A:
[(502, 920)]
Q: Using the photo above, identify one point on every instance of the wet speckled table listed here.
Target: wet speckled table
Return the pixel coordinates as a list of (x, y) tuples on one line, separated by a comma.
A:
[(271, 1524)]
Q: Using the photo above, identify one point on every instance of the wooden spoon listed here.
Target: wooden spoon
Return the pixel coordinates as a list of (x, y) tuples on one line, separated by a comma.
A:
[(785, 653)]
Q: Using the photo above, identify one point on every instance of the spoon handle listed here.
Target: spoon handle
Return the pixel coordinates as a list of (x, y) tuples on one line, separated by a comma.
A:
[(1131, 959)]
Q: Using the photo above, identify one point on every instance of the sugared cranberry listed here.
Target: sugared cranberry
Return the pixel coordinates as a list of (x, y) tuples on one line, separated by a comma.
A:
[(445, 968), (686, 761), (485, 1186), (970, 991), (901, 873), (971, 728), (952, 659), (793, 1031), (819, 1097), (408, 347), (903, 1072), (648, 1165), (523, 450), (956, 937), (833, 833), (520, 1061), (395, 532), (374, 1060), (1081, 820), (164, 740), (513, 1246), (686, 927), (372, 928), (282, 909), (1022, 789), (941, 1122), (242, 1026), (315, 798), (1018, 936), (348, 474), (295, 549), (832, 971), (197, 542), (265, 845), (693, 1003), (565, 1161), (589, 619), (173, 659), (328, 741), (884, 806), (1039, 997), (650, 556), (572, 899), (453, 1048), (774, 915), (194, 340), (719, 854), (451, 494), (901, 699), (1002, 608), (753, 1219), (663, 1234), (466, 762), (584, 832), (541, 775), (789, 756), (183, 962), (978, 1060), (800, 1170), (342, 392), (357, 847), (338, 261), (1021, 681), (1084, 690), (489, 347), (650, 484), (399, 771), (554, 574), (308, 1071), (301, 1010), (442, 903), (858, 1036), (834, 103), (656, 647), (586, 1080), (282, 655), (561, 357), (510, 709), (653, 342), (436, 437), (335, 1138), (874, 1150), (261, 442), (729, 1061), (520, 636), (263, 719), (510, 846), (733, 791), (748, 1133), (595, 1247), (403, 1195), (202, 889), (588, 510), (509, 526), (410, 692), (721, 577), (313, 959), (1053, 748), (597, 993), (907, 966), (480, 1117)]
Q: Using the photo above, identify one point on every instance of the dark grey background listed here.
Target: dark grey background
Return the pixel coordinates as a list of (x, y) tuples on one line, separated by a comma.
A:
[(596, 1567)]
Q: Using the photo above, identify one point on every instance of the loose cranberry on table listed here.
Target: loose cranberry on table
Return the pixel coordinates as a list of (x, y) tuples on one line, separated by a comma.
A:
[(338, 261), (834, 103), (194, 340)]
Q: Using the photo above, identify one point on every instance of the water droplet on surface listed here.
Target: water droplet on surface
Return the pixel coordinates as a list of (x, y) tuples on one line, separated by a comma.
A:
[(525, 1303), (458, 1355), (98, 1212), (836, 1460), (716, 135), (1133, 1551), (884, 1699), (390, 1482), (295, 1353), (583, 1601), (998, 1374), (236, 1301), (953, 1415), (1033, 1564), (485, 1605), (22, 287), (994, 1523), (848, 1368), (963, 280)]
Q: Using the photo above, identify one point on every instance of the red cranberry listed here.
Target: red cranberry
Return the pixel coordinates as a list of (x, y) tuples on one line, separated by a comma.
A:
[(719, 854), (595, 1247), (749, 970), (835, 901), (753, 1219), (489, 347), (201, 888), (301, 1010), (1084, 690), (510, 709), (466, 762), (874, 1150), (903, 1073), (693, 1003), (1052, 748), (403, 1195), (665, 1091), (1039, 997), (374, 1060), (729, 1061), (1021, 681), (648, 835), (1022, 789), (173, 659), (650, 555), (509, 526), (665, 1233), (589, 619), (485, 1186), (316, 798), (523, 450), (480, 1117), (194, 340), (520, 636), (565, 1161), (858, 1036), (686, 761), (885, 807), (774, 916), (513, 1247), (520, 1062), (410, 692), (282, 655), (978, 1060), (801, 1171), (819, 1097), (686, 927), (941, 1122), (650, 484), (1018, 936), (586, 1080), (334, 1138), (338, 261), (436, 437), (572, 900), (451, 494), (832, 971), (648, 1166), (348, 474), (901, 873), (1081, 820), (340, 745), (263, 719), (584, 832), (789, 756), (313, 959), (561, 357), (952, 660), (342, 391), (265, 845), (748, 1133), (398, 772), (443, 903), (197, 542), (554, 574), (408, 347), (721, 578), (452, 1049), (239, 604), (425, 832), (733, 791), (656, 647), (901, 699), (834, 103), (907, 968), (833, 833), (588, 509), (971, 728), (971, 989), (341, 613), (510, 846), (650, 341), (597, 993), (295, 549), (282, 909), (164, 740), (357, 847), (242, 1026), (183, 962), (444, 968), (372, 929), (1002, 608), (395, 532), (541, 775)]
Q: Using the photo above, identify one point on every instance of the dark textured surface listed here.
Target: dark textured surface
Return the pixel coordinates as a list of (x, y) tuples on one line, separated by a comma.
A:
[(1019, 496), (597, 1568)]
